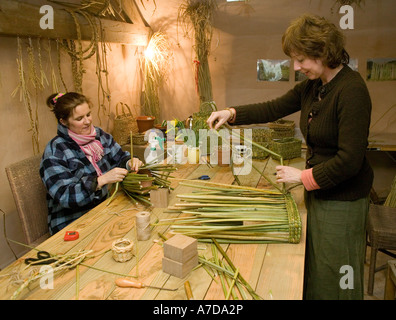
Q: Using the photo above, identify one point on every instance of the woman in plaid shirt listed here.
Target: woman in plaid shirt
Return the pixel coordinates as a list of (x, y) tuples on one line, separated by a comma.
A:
[(80, 162)]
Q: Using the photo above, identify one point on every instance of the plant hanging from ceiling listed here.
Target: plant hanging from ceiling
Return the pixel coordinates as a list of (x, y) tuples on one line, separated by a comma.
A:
[(92, 11), (32, 77), (155, 65), (349, 2), (197, 16), (35, 77), (341, 3)]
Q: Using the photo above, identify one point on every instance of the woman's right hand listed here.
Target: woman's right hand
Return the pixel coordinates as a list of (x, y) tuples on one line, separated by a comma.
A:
[(221, 117), (112, 176)]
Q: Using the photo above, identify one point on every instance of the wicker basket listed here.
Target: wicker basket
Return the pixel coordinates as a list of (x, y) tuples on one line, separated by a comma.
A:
[(124, 123), (288, 148), (282, 128), (122, 250), (261, 136), (138, 139)]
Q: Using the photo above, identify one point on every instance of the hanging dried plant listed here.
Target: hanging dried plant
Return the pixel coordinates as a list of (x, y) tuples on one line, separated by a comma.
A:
[(340, 3), (155, 65), (96, 47), (349, 2), (197, 16), (24, 93)]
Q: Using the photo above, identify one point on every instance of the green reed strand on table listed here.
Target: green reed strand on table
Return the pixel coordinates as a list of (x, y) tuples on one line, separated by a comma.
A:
[(234, 269)]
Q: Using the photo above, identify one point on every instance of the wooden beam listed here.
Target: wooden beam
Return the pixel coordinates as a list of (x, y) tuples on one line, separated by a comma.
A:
[(23, 20), (131, 9)]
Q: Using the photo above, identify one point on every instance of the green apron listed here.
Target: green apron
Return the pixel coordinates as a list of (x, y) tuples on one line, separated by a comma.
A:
[(335, 249)]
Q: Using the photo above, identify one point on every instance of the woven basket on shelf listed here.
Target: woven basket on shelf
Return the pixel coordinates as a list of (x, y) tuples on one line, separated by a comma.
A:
[(122, 250), (261, 136), (288, 148), (124, 123), (138, 139), (282, 128)]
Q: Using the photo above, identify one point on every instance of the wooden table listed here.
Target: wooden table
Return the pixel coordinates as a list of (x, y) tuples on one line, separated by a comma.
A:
[(274, 271)]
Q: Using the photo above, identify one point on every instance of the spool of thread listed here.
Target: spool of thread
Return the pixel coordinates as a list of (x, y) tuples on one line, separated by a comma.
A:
[(143, 225)]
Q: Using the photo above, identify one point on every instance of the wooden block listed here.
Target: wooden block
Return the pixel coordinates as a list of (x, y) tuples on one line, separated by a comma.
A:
[(179, 269), (180, 248), (159, 198)]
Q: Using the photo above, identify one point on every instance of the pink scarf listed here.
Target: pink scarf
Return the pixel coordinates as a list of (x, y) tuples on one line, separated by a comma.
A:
[(92, 148)]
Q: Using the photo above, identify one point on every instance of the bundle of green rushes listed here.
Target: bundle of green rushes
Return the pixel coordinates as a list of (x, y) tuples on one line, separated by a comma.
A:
[(232, 282), (132, 183), (236, 214)]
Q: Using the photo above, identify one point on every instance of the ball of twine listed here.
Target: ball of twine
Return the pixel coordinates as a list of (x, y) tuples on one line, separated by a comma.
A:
[(122, 250), (143, 225)]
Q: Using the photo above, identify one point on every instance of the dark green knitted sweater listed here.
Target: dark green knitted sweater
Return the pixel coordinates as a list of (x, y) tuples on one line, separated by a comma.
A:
[(336, 135)]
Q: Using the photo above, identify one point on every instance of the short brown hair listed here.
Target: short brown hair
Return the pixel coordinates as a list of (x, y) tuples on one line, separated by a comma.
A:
[(63, 105), (317, 38)]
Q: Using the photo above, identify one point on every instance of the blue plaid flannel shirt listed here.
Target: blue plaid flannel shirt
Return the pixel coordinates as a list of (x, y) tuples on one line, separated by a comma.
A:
[(71, 179)]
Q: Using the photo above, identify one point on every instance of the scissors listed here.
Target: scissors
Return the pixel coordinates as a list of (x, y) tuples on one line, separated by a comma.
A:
[(43, 257), (204, 177)]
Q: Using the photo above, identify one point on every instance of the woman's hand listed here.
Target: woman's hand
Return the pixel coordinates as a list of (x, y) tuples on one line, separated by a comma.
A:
[(112, 176), (221, 117), (136, 163), (288, 174)]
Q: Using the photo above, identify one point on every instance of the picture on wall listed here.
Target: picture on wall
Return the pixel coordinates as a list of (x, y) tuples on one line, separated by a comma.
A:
[(353, 64), (381, 69), (273, 70)]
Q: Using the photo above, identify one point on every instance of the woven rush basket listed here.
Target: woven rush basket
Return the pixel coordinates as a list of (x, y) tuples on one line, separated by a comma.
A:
[(261, 136), (138, 139), (122, 250), (288, 148), (124, 123), (282, 128)]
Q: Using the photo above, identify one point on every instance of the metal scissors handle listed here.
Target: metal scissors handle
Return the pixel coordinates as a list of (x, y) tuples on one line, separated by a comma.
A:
[(43, 257)]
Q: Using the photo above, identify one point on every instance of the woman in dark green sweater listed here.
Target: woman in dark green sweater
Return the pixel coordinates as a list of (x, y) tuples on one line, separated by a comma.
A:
[(335, 110)]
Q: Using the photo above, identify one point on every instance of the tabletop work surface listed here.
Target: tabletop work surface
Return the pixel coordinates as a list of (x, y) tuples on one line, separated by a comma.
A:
[(272, 271)]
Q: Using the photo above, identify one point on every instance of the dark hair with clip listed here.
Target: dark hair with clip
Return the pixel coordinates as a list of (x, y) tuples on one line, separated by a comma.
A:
[(63, 105)]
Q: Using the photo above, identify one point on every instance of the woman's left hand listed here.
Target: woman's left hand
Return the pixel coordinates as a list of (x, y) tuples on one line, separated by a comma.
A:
[(136, 163), (288, 174)]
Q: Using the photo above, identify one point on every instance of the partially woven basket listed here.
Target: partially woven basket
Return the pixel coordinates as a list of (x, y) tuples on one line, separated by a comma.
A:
[(288, 148), (122, 250)]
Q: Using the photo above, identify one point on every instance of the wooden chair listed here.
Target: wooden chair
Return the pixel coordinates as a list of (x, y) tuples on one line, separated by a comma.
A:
[(381, 232), (29, 195)]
